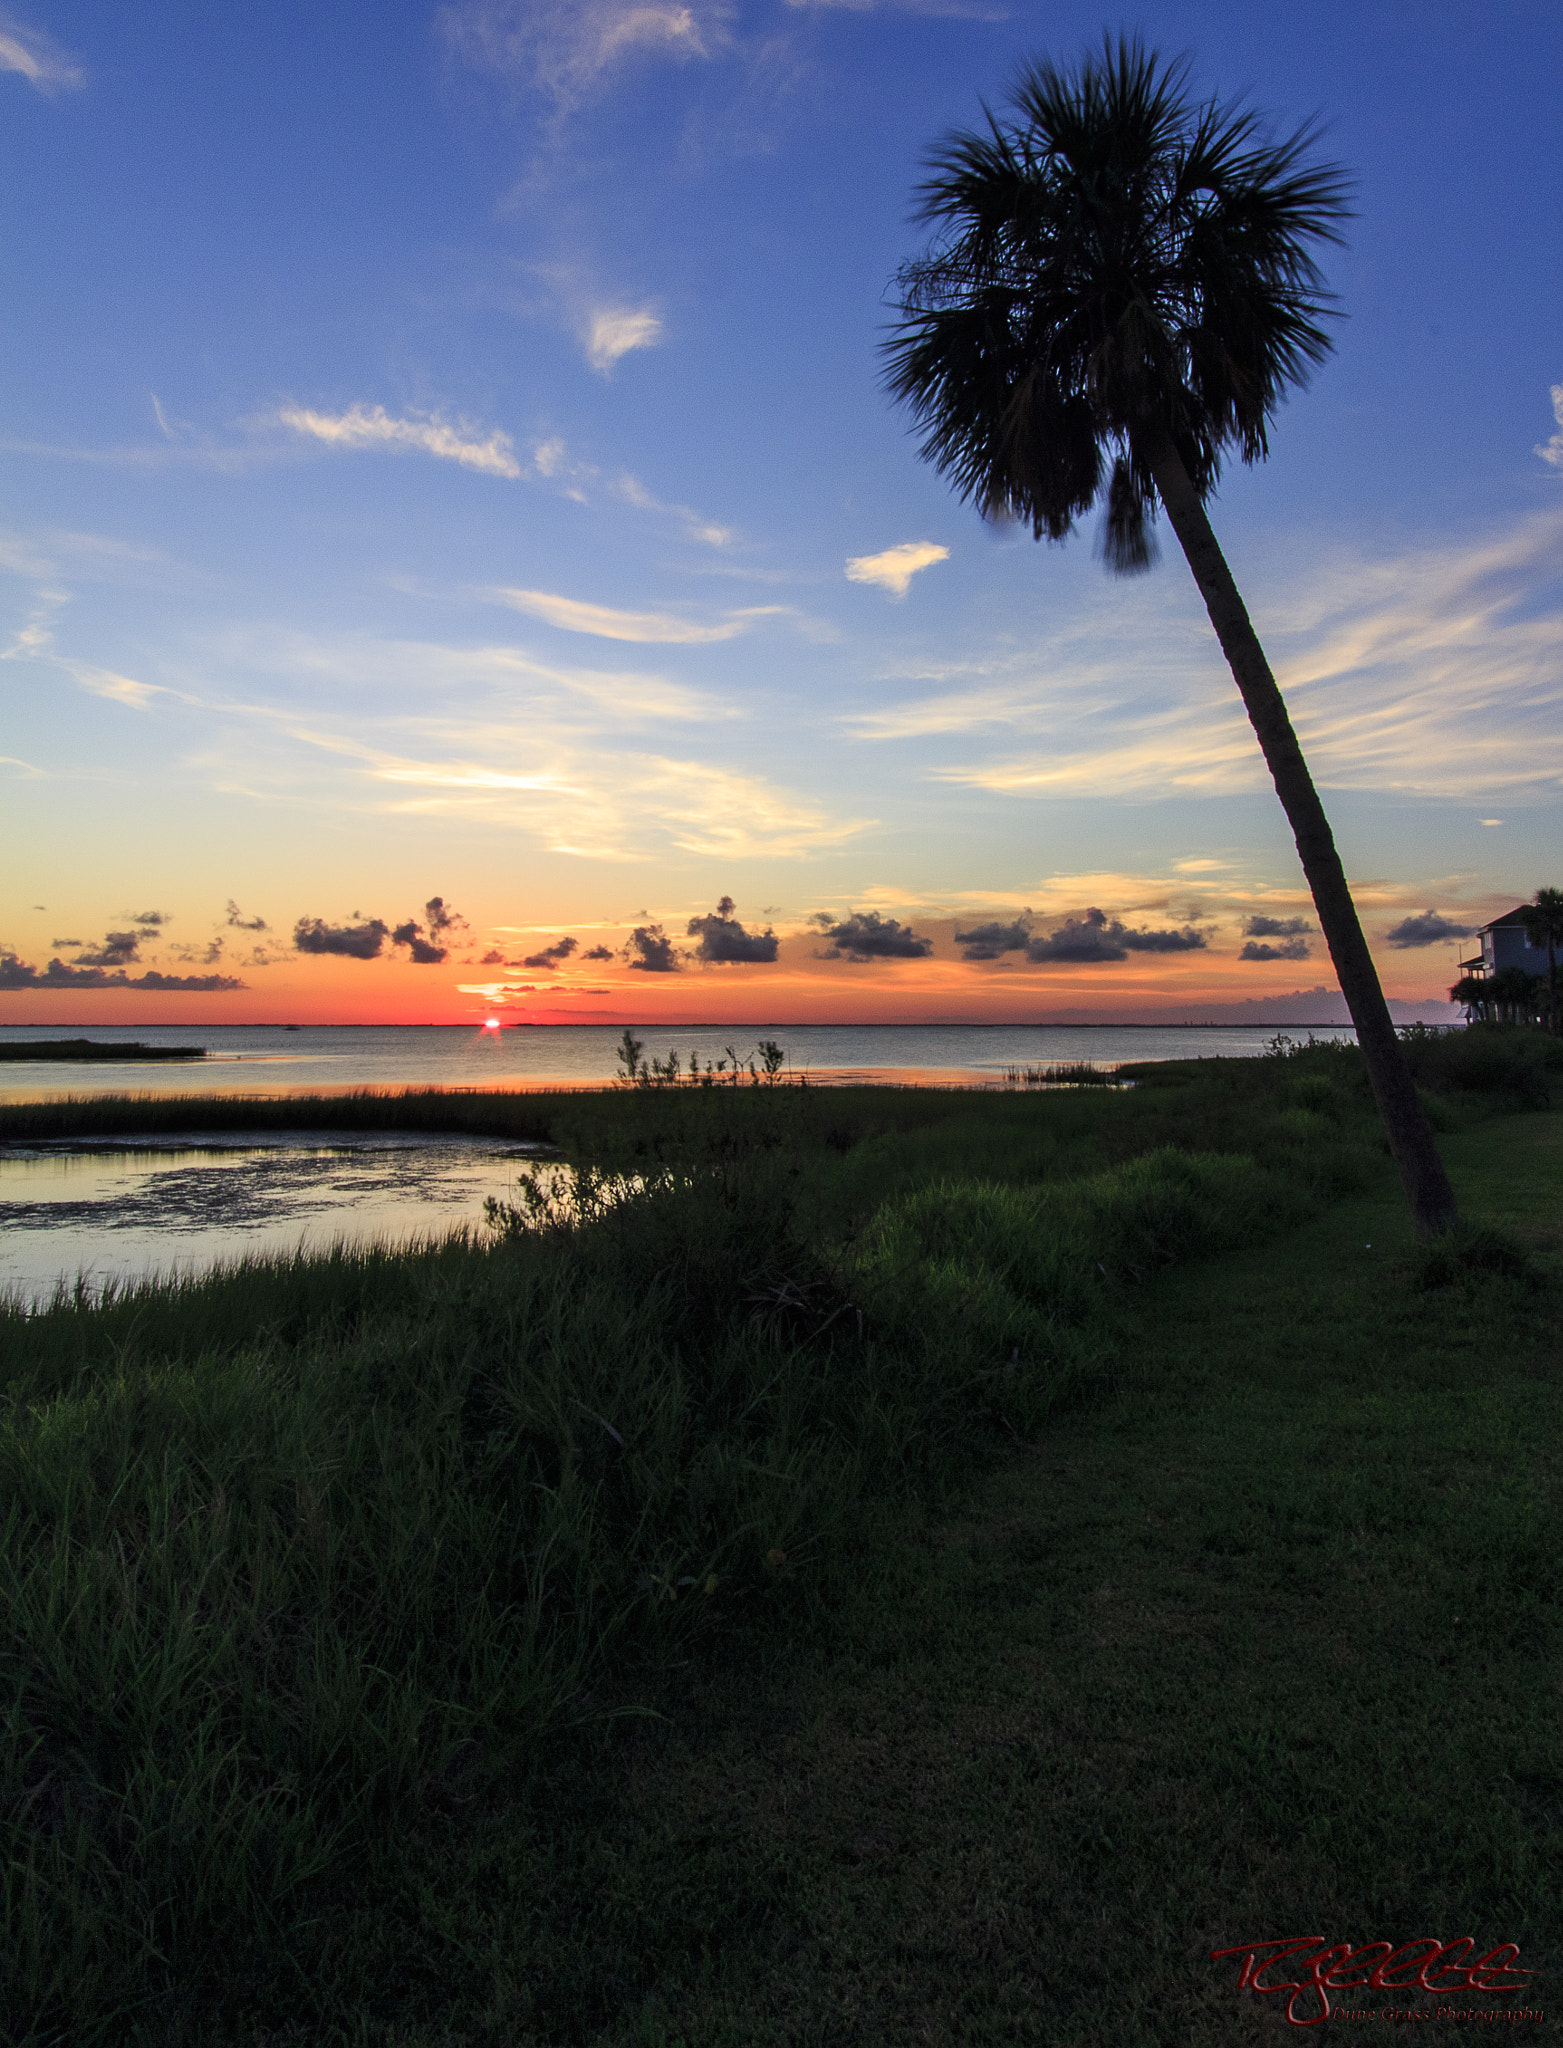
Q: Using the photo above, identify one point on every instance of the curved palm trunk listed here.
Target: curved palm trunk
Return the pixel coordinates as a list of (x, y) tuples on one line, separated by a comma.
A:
[(1410, 1136)]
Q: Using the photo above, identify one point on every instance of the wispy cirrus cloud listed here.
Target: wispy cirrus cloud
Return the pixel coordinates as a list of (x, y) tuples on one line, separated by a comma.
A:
[(371, 426), (34, 641), (1437, 671), (947, 10), (424, 680), (574, 615), (615, 806), (893, 568), (103, 682), (633, 492), (614, 331), (555, 462), (608, 324), (35, 56), (485, 735), (1552, 451), (489, 450), (567, 48)]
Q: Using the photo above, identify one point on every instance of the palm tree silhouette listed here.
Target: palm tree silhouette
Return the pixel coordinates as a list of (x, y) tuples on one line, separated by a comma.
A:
[(1126, 274), (1543, 920)]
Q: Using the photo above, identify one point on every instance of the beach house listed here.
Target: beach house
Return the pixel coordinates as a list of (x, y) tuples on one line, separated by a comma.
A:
[(1504, 944), (1505, 983)]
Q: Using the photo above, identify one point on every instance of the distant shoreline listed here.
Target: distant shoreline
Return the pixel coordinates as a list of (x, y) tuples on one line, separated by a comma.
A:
[(86, 1050), (689, 1024)]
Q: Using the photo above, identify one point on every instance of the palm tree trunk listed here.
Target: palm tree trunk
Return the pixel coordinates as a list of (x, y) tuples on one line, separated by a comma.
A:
[(1411, 1144)]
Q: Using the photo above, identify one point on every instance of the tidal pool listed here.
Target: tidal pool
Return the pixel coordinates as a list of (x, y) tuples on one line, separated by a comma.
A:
[(125, 1209)]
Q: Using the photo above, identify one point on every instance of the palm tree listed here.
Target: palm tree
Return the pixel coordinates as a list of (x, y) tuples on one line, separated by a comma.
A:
[(1514, 995), (1543, 921), (1126, 274), (1473, 992)]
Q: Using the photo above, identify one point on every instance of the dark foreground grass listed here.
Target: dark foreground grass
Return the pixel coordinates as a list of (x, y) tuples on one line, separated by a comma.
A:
[(340, 1592), (1267, 1645)]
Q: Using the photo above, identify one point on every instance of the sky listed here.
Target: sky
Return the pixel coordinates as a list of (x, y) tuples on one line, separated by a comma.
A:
[(457, 556)]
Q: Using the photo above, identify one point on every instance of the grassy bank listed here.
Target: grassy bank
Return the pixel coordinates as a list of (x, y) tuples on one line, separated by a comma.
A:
[(341, 1588)]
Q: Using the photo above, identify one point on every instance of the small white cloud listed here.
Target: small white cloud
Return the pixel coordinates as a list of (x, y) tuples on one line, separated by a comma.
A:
[(695, 524), (894, 568), (365, 426), (36, 637), (34, 56), (1552, 451), (565, 46), (171, 430), (612, 331), (103, 682), (573, 616)]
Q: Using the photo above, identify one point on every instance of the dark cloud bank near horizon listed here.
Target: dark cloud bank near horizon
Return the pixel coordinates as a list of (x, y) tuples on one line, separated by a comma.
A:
[(1293, 932), (651, 951), (365, 939), (1428, 929), (1093, 936), (864, 935), (15, 974), (551, 956), (723, 940), (103, 965)]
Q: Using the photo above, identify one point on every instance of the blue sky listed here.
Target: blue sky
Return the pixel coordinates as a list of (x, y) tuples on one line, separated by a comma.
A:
[(444, 454)]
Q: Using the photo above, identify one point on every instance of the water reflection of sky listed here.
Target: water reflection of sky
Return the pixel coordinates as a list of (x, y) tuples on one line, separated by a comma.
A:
[(122, 1210), (322, 1059)]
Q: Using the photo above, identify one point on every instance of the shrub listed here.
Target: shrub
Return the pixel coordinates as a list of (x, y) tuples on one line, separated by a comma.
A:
[(1487, 1059)]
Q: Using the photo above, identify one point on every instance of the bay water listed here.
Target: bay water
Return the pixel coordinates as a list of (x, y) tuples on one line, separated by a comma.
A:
[(112, 1211)]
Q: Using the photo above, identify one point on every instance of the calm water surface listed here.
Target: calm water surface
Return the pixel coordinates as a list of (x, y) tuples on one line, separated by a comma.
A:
[(119, 1210), (269, 1061)]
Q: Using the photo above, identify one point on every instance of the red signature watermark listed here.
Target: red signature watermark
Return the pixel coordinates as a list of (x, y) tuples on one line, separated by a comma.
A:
[(1425, 1964)]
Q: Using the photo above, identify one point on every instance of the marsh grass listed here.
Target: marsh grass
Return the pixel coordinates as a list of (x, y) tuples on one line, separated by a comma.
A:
[(309, 1561), (1068, 1074), (474, 1112), (1517, 1061)]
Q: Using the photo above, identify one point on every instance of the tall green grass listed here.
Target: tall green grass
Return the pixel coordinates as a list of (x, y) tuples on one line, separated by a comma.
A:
[(299, 1550), (1513, 1060)]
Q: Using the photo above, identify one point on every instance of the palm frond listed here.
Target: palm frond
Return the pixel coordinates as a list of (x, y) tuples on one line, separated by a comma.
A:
[(1116, 263)]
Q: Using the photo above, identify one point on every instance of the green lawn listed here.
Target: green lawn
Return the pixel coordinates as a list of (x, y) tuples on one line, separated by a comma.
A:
[(1193, 1584), (1266, 1646)]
